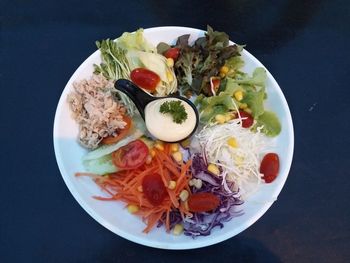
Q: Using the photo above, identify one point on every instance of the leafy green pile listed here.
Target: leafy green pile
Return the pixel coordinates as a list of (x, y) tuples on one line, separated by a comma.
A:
[(201, 61), (253, 90)]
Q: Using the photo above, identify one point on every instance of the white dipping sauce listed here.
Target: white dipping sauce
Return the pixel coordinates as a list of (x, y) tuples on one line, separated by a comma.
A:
[(162, 125)]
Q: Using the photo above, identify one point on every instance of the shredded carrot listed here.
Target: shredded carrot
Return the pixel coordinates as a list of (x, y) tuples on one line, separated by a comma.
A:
[(124, 186)]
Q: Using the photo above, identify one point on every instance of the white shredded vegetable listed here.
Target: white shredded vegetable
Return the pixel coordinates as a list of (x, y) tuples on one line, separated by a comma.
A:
[(239, 164)]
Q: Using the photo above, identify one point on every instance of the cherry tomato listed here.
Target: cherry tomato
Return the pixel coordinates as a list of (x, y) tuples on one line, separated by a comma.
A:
[(154, 189), (145, 78), (131, 155), (172, 53), (214, 84), (122, 133), (248, 119), (269, 167), (203, 202)]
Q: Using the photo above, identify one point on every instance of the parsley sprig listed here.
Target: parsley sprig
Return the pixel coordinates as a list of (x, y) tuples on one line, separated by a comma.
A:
[(176, 109)]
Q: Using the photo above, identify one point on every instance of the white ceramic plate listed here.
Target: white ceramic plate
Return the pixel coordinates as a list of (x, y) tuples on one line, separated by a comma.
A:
[(113, 215)]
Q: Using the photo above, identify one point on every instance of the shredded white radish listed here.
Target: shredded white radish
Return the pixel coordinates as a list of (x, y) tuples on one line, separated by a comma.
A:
[(239, 164)]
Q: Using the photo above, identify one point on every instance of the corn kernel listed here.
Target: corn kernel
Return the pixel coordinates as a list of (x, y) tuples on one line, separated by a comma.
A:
[(232, 142), (184, 195), (212, 168), (186, 205), (153, 152), (224, 69), (174, 147), (220, 118), (133, 209), (177, 156), (248, 110), (243, 106), (159, 145), (140, 189), (170, 62), (239, 95), (172, 185), (228, 117), (169, 76), (185, 143), (196, 183), (149, 159), (178, 229)]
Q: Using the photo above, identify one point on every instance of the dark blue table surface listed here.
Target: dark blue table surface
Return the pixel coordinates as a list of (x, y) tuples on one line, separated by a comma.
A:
[(305, 45)]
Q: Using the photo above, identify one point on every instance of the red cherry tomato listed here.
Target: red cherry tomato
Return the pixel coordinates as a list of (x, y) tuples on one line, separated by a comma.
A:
[(145, 78), (248, 119), (269, 167), (203, 202), (131, 155), (154, 189), (172, 53)]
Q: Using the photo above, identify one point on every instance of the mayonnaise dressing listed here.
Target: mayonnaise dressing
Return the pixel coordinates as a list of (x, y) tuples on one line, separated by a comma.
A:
[(162, 125)]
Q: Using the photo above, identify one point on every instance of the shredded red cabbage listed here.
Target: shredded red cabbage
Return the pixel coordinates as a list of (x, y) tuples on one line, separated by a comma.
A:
[(201, 224)]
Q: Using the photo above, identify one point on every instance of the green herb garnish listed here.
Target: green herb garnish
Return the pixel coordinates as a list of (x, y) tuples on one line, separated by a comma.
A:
[(176, 109)]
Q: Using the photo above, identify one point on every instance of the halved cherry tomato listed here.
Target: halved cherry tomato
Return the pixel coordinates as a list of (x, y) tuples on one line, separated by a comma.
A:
[(248, 119), (269, 167), (145, 78), (172, 53), (214, 84), (203, 202), (131, 155), (122, 132), (154, 189)]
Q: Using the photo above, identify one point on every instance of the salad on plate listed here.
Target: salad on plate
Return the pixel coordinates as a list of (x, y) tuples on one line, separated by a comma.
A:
[(185, 185)]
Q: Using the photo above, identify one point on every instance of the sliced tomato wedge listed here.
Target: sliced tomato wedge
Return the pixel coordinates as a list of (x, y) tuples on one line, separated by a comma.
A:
[(269, 167), (247, 119), (145, 78), (122, 132), (154, 189), (131, 155), (172, 53), (203, 202)]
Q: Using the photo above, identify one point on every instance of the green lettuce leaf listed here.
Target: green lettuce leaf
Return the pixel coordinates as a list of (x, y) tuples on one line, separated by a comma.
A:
[(135, 41), (271, 125)]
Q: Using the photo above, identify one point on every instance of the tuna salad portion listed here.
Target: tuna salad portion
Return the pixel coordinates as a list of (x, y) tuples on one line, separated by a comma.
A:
[(96, 110)]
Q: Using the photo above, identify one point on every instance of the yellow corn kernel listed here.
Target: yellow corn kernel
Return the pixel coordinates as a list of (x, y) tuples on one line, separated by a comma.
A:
[(174, 147), (153, 152), (170, 62), (178, 229), (133, 209), (185, 205), (212, 168), (228, 117), (184, 195), (140, 189), (177, 156), (149, 159), (248, 110), (170, 76), (196, 183), (239, 95), (243, 106), (185, 143), (159, 145), (224, 70), (220, 118), (172, 185), (232, 142)]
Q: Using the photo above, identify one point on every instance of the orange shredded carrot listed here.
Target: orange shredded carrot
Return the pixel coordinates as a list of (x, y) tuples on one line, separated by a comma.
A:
[(124, 186)]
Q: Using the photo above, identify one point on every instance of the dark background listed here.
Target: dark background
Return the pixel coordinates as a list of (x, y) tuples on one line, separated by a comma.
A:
[(305, 45)]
